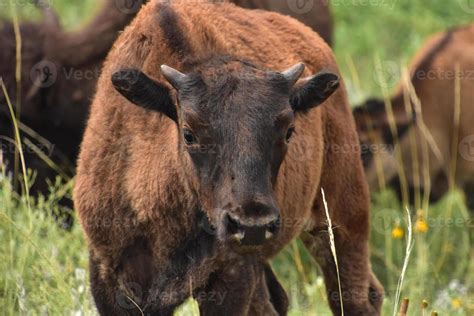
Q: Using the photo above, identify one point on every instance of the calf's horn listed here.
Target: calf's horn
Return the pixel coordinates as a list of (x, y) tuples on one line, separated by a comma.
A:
[(173, 76), (293, 73)]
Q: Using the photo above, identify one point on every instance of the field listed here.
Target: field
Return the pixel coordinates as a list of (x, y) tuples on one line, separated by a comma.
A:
[(43, 268)]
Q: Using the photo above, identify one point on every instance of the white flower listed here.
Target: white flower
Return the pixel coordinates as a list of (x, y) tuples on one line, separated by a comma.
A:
[(80, 274)]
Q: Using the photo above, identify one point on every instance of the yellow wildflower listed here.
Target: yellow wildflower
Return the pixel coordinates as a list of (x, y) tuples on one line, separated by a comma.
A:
[(424, 304), (456, 303), (421, 226), (398, 232)]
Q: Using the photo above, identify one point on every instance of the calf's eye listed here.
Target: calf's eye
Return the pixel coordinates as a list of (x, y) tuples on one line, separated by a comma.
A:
[(189, 137), (289, 133)]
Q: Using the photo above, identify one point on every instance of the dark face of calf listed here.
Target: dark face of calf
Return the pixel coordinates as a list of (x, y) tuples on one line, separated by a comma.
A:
[(235, 122), (375, 135)]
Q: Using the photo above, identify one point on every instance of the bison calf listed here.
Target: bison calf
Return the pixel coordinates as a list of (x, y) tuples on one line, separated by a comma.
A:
[(196, 114), (444, 150)]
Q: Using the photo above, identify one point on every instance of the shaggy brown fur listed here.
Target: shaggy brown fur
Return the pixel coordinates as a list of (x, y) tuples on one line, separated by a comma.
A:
[(55, 111), (315, 13), (137, 193), (433, 78)]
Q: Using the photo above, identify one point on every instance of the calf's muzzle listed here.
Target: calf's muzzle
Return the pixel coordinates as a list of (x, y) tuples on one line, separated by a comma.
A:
[(252, 224)]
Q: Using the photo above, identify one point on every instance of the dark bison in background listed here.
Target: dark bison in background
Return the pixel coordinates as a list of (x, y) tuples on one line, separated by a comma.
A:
[(59, 72), (196, 124), (313, 13)]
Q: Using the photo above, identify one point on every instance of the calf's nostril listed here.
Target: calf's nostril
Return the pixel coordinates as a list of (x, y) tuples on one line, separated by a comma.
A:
[(234, 229), (274, 226), (233, 226)]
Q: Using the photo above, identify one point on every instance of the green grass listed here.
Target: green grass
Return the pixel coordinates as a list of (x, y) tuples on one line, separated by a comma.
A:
[(43, 269)]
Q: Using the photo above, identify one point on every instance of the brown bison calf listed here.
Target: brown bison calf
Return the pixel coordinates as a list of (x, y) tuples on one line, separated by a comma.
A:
[(190, 180), (442, 148)]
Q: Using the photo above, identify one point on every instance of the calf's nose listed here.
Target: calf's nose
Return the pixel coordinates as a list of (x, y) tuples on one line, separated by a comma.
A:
[(253, 228)]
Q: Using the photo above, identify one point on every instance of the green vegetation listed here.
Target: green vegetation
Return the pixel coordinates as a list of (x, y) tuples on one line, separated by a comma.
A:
[(43, 269)]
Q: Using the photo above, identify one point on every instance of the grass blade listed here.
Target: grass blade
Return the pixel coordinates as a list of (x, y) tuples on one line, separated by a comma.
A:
[(333, 248), (408, 249)]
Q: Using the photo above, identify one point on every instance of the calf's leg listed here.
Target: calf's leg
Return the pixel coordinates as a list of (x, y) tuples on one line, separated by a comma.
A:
[(269, 298), (125, 290), (361, 291), (247, 287), (107, 300), (348, 206), (229, 291)]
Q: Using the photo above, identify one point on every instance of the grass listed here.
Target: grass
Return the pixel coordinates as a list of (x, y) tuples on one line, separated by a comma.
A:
[(44, 268)]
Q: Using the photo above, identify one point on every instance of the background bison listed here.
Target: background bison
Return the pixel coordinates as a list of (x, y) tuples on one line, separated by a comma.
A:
[(59, 71), (433, 122), (226, 143), (315, 14)]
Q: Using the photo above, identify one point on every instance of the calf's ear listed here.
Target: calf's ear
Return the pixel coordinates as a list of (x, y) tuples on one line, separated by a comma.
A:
[(310, 92), (139, 89)]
